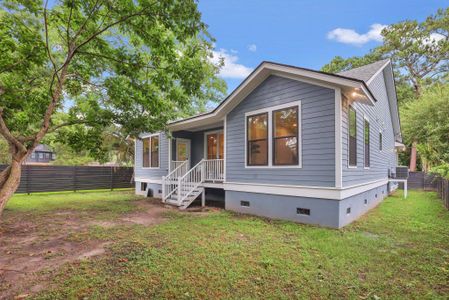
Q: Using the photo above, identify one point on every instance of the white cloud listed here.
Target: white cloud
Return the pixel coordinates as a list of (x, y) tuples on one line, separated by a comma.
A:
[(252, 47), (231, 67), (350, 36), (434, 38)]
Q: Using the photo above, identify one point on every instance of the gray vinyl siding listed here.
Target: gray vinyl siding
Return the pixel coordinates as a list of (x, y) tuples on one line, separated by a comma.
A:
[(317, 134), (163, 160), (379, 117)]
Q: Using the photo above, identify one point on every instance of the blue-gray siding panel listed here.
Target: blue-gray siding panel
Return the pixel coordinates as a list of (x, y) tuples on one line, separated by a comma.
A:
[(318, 134), (163, 160), (380, 120), (323, 212)]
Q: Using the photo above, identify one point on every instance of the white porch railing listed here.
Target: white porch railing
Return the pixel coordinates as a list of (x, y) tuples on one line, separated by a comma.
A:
[(213, 169), (170, 182)]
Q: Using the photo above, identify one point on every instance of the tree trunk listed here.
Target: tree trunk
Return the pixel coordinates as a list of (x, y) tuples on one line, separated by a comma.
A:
[(9, 182), (412, 166)]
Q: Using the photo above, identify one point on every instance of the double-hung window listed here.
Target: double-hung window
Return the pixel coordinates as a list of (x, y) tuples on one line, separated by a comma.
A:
[(257, 145), (352, 125), (150, 158), (285, 136), (272, 137), (367, 143)]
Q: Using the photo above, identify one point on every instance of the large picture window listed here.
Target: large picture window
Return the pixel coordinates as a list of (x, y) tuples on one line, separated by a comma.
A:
[(352, 125), (257, 144), (367, 144), (285, 136), (150, 152)]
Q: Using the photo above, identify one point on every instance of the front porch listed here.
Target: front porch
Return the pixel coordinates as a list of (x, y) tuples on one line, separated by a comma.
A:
[(197, 161)]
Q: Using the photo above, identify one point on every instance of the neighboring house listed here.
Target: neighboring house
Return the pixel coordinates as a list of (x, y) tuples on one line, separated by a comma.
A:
[(287, 143), (42, 154)]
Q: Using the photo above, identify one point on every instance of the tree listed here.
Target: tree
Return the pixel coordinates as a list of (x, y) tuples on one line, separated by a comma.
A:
[(134, 64), (426, 122), (419, 53)]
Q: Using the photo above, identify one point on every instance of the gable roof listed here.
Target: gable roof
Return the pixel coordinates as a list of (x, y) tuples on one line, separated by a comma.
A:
[(366, 72), (42, 147), (358, 82)]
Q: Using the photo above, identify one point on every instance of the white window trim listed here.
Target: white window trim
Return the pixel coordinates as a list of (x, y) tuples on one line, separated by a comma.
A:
[(269, 111), (356, 139), (159, 150), (365, 118), (205, 141)]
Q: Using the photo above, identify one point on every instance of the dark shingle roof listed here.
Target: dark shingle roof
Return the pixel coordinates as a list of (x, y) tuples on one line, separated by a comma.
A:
[(364, 72), (42, 147)]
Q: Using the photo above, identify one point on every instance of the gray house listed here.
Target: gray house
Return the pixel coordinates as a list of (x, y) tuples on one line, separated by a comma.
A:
[(288, 143), (42, 154)]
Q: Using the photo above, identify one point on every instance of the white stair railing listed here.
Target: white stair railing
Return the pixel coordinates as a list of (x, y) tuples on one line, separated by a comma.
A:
[(188, 183), (176, 163), (170, 182)]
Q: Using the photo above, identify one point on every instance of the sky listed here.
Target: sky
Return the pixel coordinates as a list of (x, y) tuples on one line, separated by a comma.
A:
[(305, 33)]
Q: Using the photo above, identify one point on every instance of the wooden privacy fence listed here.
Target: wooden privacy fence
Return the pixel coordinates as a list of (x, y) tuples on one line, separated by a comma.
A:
[(443, 190), (37, 178), (430, 182)]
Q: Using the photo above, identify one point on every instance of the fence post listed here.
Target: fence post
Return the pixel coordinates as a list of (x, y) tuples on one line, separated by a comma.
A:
[(27, 178), (74, 179), (112, 179)]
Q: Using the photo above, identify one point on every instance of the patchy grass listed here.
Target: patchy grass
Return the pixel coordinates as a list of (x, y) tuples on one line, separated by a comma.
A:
[(112, 202), (399, 250)]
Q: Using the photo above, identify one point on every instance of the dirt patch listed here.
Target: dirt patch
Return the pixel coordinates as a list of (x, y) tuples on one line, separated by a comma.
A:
[(32, 243)]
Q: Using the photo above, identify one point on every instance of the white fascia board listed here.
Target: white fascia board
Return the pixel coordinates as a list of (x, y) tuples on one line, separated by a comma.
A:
[(331, 193), (148, 180)]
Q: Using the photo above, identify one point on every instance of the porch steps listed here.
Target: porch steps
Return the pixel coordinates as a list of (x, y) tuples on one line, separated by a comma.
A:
[(173, 199)]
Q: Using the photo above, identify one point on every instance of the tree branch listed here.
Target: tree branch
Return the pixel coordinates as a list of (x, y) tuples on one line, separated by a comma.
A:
[(4, 131), (47, 47)]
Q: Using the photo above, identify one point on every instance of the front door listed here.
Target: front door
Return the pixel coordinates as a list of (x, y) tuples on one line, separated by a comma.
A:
[(182, 150), (214, 145)]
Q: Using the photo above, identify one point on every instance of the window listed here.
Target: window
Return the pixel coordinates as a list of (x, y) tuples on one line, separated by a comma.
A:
[(154, 152), (41, 155), (285, 136), (273, 136), (348, 210), (366, 144), (33, 155), (303, 211), (257, 145), (380, 141), (146, 152), (143, 186), (150, 152), (352, 125)]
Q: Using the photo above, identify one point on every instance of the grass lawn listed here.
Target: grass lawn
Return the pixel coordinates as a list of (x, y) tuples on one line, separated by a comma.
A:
[(398, 250)]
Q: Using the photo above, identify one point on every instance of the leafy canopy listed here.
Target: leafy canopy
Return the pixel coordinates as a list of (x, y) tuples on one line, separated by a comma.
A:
[(426, 121), (132, 64), (419, 53)]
